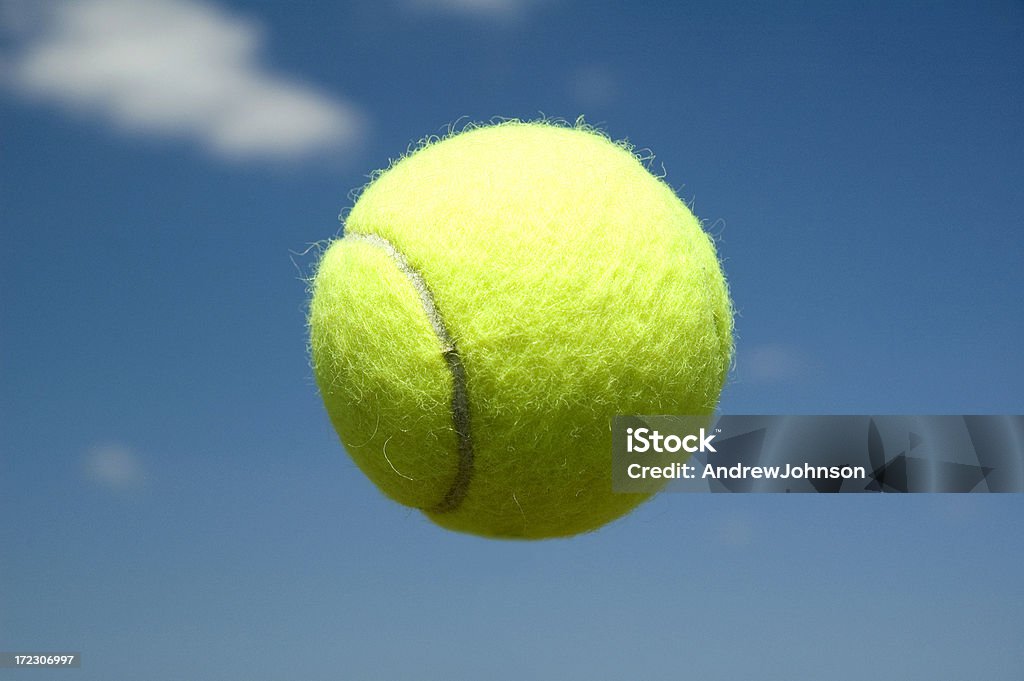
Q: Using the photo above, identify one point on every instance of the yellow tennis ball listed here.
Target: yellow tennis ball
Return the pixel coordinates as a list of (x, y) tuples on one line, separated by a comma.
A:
[(498, 296)]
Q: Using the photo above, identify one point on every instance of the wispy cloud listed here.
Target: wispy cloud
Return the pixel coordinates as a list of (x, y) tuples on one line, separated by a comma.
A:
[(177, 68), (594, 86), (484, 9), (115, 467), (771, 363)]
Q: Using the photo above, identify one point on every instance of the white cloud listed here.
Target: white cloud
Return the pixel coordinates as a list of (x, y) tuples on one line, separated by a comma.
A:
[(114, 466), (771, 363), (180, 68), (486, 9), (594, 86)]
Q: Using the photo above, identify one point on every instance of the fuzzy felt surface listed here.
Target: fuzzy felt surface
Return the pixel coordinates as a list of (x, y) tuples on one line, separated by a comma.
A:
[(573, 285)]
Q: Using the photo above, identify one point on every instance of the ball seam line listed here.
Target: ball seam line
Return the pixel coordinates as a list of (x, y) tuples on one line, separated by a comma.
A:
[(456, 493)]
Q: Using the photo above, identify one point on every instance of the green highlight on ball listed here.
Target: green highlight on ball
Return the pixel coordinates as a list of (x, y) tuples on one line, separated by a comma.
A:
[(497, 297)]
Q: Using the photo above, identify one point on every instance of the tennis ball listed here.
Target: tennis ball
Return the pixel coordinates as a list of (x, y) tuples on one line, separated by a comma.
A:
[(497, 297)]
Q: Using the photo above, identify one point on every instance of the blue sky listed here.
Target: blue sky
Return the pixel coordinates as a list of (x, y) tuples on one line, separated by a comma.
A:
[(173, 501)]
